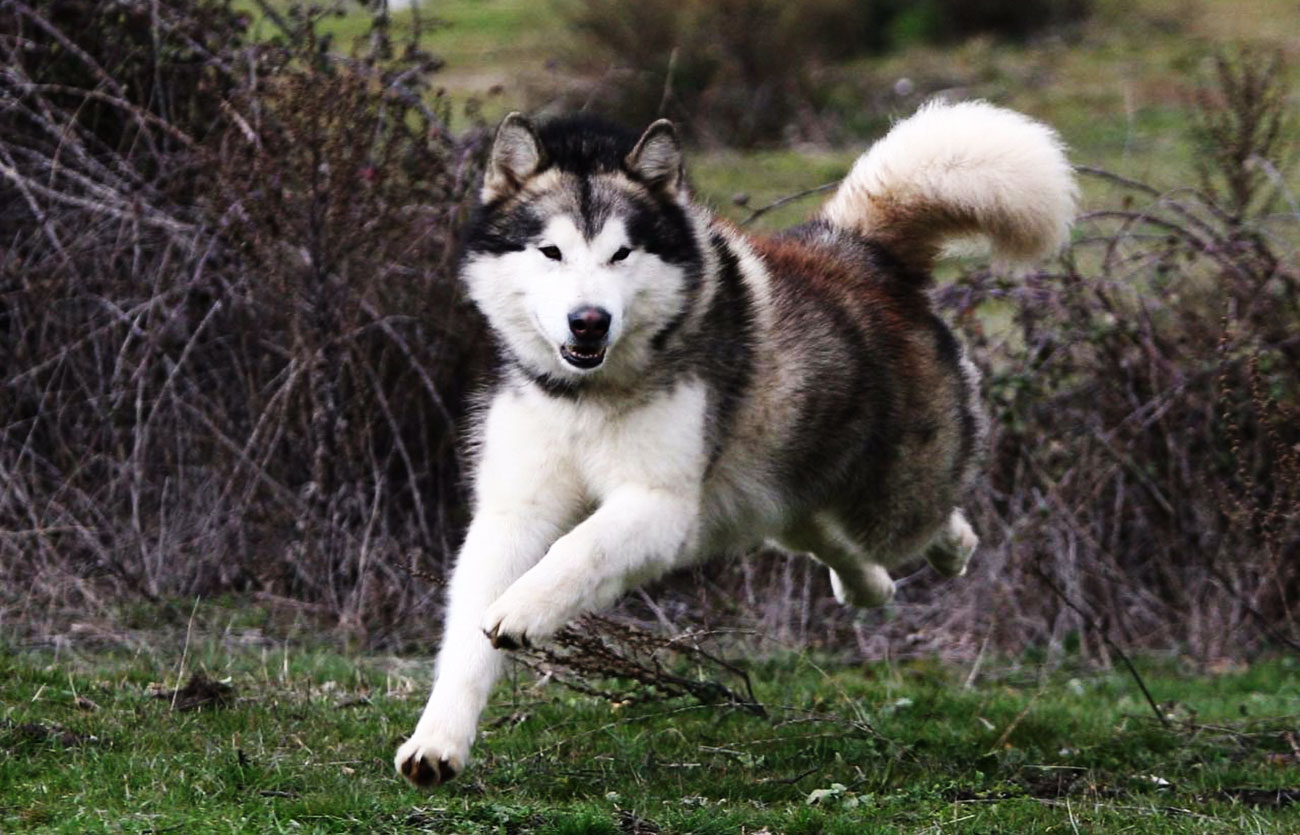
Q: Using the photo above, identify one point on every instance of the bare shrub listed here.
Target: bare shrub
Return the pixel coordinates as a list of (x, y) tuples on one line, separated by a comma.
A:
[(1240, 126), (232, 344)]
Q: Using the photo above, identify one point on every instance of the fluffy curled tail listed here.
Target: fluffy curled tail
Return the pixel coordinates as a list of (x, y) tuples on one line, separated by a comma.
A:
[(956, 170)]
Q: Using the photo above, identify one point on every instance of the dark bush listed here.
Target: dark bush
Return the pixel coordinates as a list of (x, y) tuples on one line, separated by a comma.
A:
[(709, 66), (232, 343), (939, 21), (744, 72)]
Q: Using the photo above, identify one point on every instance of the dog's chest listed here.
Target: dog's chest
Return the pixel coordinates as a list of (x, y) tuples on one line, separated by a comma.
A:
[(658, 443)]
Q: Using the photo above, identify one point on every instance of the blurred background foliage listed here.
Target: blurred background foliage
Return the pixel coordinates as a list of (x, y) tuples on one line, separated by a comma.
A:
[(746, 72)]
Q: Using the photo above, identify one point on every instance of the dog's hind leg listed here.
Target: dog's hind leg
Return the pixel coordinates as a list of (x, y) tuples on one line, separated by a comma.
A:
[(856, 579), (867, 587), (951, 550)]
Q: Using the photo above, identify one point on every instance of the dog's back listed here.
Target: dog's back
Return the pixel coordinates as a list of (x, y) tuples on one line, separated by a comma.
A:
[(858, 376), (865, 411)]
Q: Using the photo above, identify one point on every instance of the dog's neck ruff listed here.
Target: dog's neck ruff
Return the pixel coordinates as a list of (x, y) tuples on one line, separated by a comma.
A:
[(556, 386)]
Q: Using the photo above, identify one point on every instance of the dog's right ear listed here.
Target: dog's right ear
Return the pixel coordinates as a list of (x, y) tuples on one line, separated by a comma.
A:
[(657, 157), (516, 155)]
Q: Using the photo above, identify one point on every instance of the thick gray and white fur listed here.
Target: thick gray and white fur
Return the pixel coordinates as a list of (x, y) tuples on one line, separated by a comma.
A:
[(673, 388)]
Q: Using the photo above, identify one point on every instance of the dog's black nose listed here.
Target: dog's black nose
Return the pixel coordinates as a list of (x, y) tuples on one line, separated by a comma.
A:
[(589, 323)]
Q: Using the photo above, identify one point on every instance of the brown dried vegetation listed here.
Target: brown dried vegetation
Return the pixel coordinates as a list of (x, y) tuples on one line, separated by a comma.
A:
[(233, 350)]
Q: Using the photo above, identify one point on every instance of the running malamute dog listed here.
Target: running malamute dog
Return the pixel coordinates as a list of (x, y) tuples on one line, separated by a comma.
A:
[(673, 387)]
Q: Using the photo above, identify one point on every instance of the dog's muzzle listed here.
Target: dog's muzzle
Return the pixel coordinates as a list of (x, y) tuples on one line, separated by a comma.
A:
[(589, 335)]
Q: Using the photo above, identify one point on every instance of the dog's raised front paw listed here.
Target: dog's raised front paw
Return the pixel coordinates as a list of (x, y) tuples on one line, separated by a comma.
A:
[(505, 640), (515, 620), (426, 762)]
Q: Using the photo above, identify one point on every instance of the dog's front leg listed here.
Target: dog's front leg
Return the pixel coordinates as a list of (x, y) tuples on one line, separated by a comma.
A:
[(526, 498), (497, 550), (638, 533)]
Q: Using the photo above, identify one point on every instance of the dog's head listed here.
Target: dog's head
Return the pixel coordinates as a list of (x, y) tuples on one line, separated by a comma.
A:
[(584, 253)]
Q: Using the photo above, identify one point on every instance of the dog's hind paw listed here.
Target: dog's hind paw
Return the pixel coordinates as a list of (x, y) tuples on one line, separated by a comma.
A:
[(869, 588), (951, 551)]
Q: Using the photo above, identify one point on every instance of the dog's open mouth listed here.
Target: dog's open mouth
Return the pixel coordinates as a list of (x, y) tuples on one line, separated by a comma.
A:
[(580, 356)]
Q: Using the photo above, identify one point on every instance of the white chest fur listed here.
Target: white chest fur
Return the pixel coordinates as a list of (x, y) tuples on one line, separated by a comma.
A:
[(597, 447)]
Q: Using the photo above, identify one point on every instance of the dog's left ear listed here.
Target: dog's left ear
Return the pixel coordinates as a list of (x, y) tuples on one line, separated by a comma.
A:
[(657, 158), (516, 155)]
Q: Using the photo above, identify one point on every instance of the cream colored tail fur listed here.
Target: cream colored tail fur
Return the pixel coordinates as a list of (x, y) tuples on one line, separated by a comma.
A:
[(955, 170)]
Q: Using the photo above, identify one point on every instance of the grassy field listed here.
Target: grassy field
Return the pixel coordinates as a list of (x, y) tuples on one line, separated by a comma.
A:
[(303, 743)]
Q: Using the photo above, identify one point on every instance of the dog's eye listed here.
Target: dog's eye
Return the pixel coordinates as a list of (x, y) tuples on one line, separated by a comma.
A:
[(622, 253), (552, 252)]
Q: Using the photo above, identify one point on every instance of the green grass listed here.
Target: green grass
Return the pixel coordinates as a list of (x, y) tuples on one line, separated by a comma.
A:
[(488, 46), (307, 747), (764, 177)]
